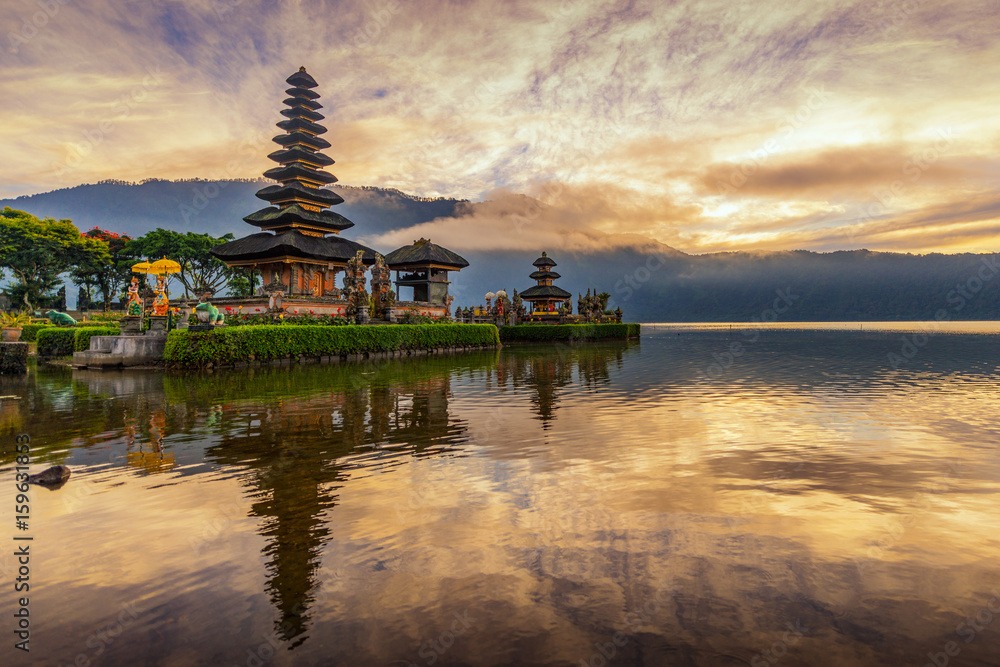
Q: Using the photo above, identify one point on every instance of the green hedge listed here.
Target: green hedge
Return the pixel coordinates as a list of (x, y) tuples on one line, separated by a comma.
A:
[(548, 332), (81, 339), (62, 341), (55, 341), (29, 332), (225, 346)]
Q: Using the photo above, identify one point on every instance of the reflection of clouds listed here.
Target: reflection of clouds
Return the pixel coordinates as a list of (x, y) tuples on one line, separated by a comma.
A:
[(749, 500)]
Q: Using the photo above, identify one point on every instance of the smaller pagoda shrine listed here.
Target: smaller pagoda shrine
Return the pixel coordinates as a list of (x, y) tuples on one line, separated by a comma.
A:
[(545, 297), (423, 267)]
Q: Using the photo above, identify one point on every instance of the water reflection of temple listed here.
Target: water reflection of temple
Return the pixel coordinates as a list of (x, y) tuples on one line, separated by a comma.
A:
[(553, 369), (299, 451)]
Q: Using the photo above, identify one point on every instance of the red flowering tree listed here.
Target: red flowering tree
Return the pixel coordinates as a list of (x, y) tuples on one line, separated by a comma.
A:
[(108, 278)]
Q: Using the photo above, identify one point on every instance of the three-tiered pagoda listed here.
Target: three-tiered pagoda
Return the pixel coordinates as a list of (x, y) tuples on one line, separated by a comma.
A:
[(299, 248), (544, 296)]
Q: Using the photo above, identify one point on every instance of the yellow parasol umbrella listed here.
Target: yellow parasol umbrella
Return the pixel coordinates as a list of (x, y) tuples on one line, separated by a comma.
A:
[(142, 267), (164, 266)]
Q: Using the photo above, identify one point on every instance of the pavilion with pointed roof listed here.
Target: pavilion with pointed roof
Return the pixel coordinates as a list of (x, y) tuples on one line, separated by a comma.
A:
[(424, 267), (544, 296), (299, 247)]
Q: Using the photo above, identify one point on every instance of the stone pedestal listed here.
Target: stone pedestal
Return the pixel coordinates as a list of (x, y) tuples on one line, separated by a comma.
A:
[(13, 358), (131, 326), (363, 315), (112, 351), (195, 328), (158, 324)]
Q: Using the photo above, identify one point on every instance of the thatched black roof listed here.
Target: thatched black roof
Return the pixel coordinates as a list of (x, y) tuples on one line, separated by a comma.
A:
[(321, 198), (544, 275), (302, 92), (298, 111), (302, 102), (272, 217), (545, 292), (264, 246), (544, 260), (424, 252), (304, 138), (299, 154), (301, 79), (295, 170), (293, 124)]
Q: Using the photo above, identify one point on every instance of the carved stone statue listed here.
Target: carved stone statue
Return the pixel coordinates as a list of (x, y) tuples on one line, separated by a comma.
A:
[(354, 288)]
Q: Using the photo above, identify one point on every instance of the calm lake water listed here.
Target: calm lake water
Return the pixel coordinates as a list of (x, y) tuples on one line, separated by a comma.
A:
[(802, 497)]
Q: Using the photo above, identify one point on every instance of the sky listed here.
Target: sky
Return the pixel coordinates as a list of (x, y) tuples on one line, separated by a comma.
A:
[(707, 126)]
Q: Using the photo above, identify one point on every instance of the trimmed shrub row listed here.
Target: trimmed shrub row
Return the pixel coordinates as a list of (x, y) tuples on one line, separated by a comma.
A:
[(55, 341), (225, 346), (29, 332), (548, 332), (81, 339), (62, 341)]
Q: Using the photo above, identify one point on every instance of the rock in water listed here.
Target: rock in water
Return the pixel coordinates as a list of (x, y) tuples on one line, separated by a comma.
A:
[(54, 476)]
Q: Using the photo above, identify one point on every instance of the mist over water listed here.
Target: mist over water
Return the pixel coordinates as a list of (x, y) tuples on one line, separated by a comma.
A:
[(804, 497)]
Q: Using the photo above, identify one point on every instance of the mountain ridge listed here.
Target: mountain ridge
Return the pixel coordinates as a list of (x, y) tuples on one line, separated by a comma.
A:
[(651, 281)]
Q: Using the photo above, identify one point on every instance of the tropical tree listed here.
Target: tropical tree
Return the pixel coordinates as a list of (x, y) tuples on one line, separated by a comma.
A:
[(37, 250), (199, 269), (107, 277)]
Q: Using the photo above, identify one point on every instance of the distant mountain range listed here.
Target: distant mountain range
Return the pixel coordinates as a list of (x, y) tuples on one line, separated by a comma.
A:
[(651, 282)]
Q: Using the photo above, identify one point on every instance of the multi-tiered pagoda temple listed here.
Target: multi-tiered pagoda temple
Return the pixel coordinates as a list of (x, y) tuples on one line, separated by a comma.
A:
[(299, 249), (544, 296)]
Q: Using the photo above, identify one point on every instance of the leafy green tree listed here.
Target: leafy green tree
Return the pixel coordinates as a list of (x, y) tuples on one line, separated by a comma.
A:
[(37, 251), (107, 277), (242, 282), (199, 269)]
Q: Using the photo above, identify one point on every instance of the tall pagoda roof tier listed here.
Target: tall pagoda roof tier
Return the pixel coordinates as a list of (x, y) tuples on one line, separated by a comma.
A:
[(307, 126), (544, 260), (293, 192), (303, 102), (298, 154), (299, 111), (301, 139), (545, 292), (297, 226), (295, 171), (302, 92), (301, 79), (297, 216), (544, 275), (264, 246), (422, 253)]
